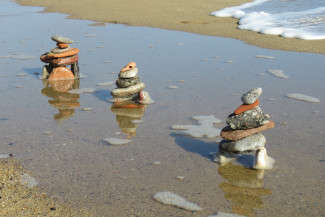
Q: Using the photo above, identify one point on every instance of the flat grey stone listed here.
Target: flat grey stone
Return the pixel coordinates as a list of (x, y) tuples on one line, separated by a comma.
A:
[(57, 50), (127, 82), (123, 92), (61, 39), (249, 119), (248, 144), (251, 96), (128, 74)]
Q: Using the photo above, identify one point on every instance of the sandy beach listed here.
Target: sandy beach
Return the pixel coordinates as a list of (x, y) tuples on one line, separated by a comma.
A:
[(60, 138), (181, 15)]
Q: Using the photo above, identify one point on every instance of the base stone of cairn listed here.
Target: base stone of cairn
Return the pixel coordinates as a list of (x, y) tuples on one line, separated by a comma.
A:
[(243, 133), (59, 58), (129, 86)]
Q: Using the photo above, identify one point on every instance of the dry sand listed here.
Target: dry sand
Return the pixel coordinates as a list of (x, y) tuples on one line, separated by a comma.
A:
[(182, 15), (17, 199)]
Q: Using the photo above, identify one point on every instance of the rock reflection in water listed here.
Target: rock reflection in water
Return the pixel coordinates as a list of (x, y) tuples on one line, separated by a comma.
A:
[(127, 114), (243, 187), (62, 100)]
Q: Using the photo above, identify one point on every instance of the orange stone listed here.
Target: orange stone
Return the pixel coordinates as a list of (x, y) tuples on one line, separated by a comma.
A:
[(62, 45), (71, 52), (233, 135), (245, 107), (128, 67), (62, 86), (61, 73), (64, 61)]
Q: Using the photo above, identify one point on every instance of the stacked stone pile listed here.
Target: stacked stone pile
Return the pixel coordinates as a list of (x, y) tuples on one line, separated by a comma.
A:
[(243, 133), (59, 58), (128, 84)]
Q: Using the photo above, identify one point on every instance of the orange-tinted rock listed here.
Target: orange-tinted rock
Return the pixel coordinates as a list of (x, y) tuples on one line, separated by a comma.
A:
[(71, 52), (62, 45), (45, 58), (229, 134), (62, 85), (245, 107), (61, 73), (64, 61), (129, 66)]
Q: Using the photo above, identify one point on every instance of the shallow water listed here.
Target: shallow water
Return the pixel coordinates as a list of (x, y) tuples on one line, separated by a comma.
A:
[(63, 146)]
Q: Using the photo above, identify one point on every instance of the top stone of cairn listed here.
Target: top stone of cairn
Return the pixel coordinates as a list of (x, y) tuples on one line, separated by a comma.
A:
[(61, 39), (251, 96)]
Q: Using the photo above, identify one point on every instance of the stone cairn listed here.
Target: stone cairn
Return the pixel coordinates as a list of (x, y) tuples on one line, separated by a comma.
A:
[(129, 86), (59, 58), (243, 133)]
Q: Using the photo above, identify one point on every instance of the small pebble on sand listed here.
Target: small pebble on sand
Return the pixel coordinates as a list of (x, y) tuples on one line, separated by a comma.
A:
[(156, 163), (87, 109), (180, 177), (173, 87), (48, 133), (265, 57), (22, 74)]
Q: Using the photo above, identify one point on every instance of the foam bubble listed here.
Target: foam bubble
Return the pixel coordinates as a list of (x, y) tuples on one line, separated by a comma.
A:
[(116, 141), (278, 73), (303, 97), (206, 127), (173, 199), (28, 180)]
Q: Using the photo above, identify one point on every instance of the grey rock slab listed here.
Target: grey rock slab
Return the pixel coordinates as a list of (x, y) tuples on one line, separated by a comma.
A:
[(128, 74), (61, 39), (126, 82), (122, 92), (248, 144), (251, 96), (249, 119), (58, 50)]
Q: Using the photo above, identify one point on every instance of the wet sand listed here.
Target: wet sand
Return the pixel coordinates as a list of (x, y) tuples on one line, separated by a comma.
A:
[(63, 148), (182, 15)]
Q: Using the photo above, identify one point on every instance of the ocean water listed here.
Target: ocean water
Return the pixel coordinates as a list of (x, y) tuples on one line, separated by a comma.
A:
[(304, 19)]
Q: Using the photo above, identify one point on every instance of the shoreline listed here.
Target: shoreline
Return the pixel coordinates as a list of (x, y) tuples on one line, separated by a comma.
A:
[(195, 18)]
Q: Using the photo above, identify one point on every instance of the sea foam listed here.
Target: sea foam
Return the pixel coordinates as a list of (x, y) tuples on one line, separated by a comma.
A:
[(205, 128), (173, 199), (292, 19)]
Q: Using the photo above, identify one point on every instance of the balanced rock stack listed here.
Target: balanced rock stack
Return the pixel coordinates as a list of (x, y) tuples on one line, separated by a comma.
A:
[(60, 57), (128, 84), (243, 133)]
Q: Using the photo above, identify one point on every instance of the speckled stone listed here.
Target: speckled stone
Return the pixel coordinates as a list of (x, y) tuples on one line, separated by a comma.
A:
[(128, 74), (247, 144), (61, 39), (251, 96), (127, 82), (250, 119), (60, 50), (123, 92)]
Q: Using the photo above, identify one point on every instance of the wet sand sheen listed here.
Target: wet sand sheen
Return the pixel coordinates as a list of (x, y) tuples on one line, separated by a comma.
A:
[(182, 15), (72, 162)]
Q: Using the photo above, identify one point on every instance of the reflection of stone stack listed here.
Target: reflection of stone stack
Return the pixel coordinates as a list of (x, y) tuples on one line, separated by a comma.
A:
[(127, 115), (128, 83), (60, 57), (244, 126)]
